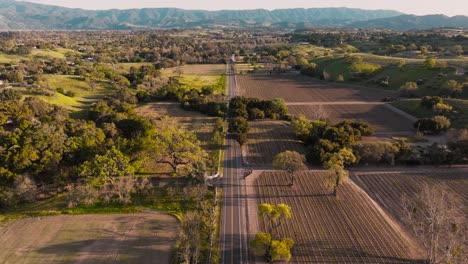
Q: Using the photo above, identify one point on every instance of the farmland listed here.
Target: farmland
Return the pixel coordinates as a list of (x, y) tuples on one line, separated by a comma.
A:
[(137, 238), (351, 229), (298, 88), (387, 187), (197, 69), (380, 116), (268, 138)]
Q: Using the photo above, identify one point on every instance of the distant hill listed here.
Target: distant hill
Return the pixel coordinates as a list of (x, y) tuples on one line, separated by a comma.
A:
[(25, 15), (409, 22)]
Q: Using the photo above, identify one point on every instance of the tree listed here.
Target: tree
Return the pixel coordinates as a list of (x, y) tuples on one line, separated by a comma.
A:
[(434, 125), (457, 50), (176, 147), (272, 250), (409, 89), (265, 242), (452, 88), (431, 101), (239, 125), (337, 175), (289, 161), (99, 171), (301, 127), (436, 219), (430, 63)]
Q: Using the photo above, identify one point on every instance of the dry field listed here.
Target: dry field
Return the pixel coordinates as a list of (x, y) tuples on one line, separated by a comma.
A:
[(299, 88), (138, 238), (198, 69), (268, 138), (381, 117), (388, 187), (351, 229)]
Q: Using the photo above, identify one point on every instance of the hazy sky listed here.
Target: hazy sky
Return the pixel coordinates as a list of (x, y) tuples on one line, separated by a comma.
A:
[(419, 7)]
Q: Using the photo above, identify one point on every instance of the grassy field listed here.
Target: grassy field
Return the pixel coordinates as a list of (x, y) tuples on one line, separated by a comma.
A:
[(459, 118), (136, 238), (197, 69), (58, 53), (350, 229), (83, 95), (412, 72)]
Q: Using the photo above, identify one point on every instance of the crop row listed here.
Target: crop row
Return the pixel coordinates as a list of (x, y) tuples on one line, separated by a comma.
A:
[(379, 116), (350, 229), (268, 138), (299, 88)]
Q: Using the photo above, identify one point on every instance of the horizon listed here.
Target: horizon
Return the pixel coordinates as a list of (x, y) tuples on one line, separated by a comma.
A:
[(418, 7)]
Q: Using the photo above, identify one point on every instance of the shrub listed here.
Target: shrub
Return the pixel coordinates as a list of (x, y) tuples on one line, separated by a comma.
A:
[(70, 94), (409, 89), (442, 109), (434, 125), (452, 88), (431, 101)]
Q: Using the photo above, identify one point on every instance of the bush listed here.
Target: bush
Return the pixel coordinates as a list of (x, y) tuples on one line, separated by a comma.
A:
[(430, 101), (60, 90), (409, 89), (442, 109), (375, 152), (434, 125), (70, 94), (452, 88), (10, 94)]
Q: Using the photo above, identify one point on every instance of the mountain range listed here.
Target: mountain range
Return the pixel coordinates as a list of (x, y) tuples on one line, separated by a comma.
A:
[(31, 16)]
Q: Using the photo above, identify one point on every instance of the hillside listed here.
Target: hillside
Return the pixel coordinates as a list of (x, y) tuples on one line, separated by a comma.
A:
[(24, 15), (409, 22)]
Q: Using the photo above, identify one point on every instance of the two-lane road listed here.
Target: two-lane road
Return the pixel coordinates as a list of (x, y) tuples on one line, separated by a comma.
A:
[(233, 225)]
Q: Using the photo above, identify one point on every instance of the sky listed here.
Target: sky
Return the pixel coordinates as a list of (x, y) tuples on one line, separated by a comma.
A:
[(417, 7)]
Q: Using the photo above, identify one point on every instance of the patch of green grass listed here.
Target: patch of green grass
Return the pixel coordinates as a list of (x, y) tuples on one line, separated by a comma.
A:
[(47, 54), (311, 49), (334, 67), (458, 118), (8, 58), (412, 73), (58, 53), (83, 95)]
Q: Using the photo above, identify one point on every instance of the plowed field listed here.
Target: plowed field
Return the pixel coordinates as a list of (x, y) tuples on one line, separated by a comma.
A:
[(299, 88), (351, 229)]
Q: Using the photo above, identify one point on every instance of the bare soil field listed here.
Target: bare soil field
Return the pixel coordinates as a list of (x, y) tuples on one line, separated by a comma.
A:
[(138, 238), (351, 229), (198, 69), (299, 88), (381, 117), (388, 187), (268, 138)]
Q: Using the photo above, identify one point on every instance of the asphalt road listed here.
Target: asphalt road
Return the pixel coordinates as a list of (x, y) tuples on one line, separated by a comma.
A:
[(234, 247)]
